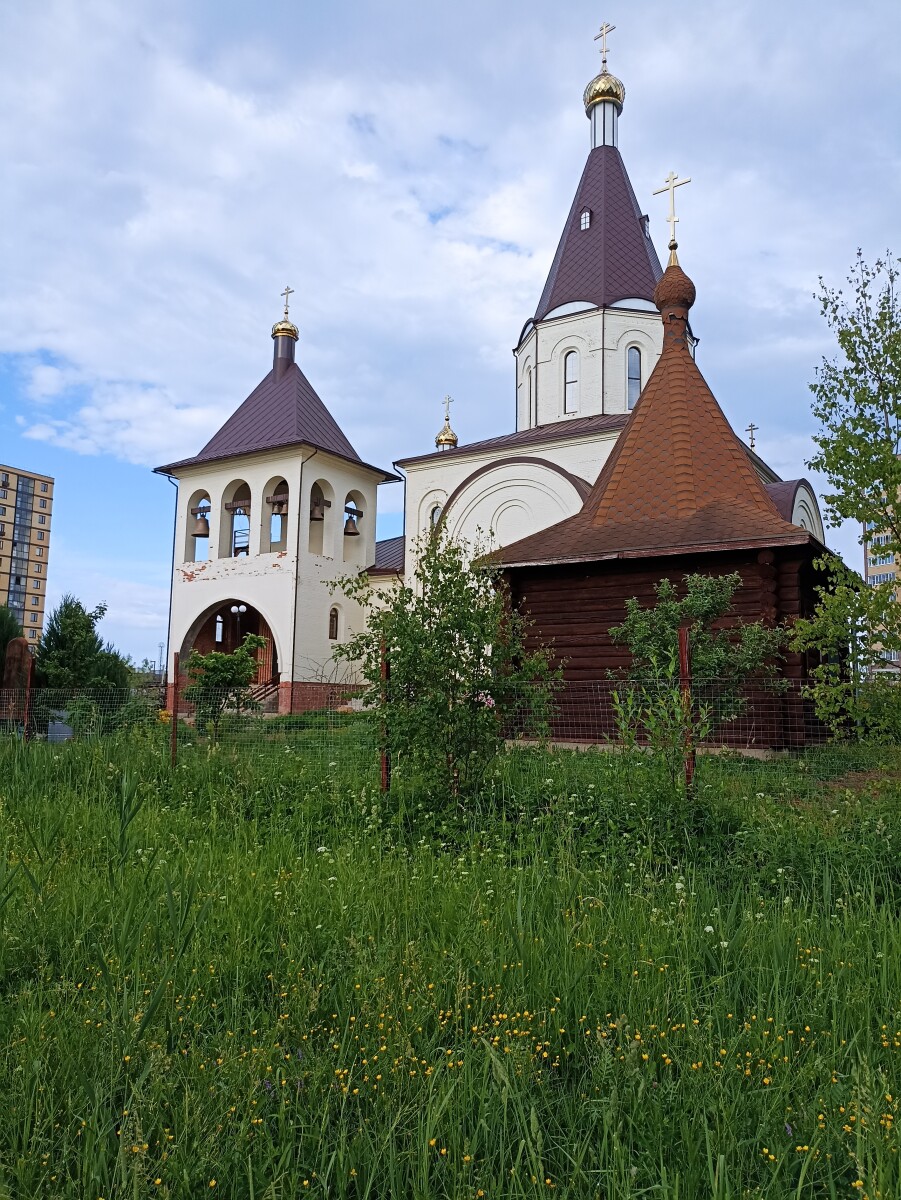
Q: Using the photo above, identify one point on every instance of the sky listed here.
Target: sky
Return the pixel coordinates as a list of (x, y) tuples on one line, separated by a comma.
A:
[(407, 169)]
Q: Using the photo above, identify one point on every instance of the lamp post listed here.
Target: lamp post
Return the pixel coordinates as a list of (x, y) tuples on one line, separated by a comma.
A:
[(238, 609)]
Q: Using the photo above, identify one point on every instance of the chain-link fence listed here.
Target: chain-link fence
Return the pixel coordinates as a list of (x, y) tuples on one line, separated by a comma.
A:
[(763, 738)]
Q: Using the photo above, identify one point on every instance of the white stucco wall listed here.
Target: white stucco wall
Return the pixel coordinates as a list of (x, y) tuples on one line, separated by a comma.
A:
[(602, 338), (514, 499), (270, 581)]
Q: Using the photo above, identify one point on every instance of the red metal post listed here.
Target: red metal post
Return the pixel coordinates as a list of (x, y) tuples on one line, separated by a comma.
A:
[(689, 751), (173, 716), (386, 754)]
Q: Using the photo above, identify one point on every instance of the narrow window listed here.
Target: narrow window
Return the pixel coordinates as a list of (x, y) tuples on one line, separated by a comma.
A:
[(36, 583), (333, 625), (32, 633), (43, 503), (634, 373), (218, 629), (571, 382), (43, 487), (42, 520), (585, 219), (435, 515), (40, 537), (529, 384), (35, 600)]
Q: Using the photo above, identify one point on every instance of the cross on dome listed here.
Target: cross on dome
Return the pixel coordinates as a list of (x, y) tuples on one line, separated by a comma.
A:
[(671, 182), (602, 34), (289, 291)]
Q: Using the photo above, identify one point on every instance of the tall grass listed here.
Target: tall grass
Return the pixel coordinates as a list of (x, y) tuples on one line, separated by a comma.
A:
[(257, 977)]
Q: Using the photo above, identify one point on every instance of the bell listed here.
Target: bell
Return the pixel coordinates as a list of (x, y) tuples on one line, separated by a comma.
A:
[(350, 527), (317, 511), (201, 527)]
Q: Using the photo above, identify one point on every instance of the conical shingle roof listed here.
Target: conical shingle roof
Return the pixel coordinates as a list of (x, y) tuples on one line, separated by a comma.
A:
[(613, 259), (677, 480), (282, 410)]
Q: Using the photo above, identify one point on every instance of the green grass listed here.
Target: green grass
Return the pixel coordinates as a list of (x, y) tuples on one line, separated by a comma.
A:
[(258, 971)]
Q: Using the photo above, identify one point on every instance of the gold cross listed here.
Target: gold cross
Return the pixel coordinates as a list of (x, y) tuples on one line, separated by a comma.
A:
[(289, 291), (604, 30), (751, 430), (672, 182), (448, 401)]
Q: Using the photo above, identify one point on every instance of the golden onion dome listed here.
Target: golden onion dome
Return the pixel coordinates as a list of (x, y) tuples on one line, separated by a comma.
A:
[(446, 438), (604, 87), (285, 328)]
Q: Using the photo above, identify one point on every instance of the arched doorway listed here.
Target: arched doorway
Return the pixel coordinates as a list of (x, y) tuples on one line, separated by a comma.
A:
[(224, 627)]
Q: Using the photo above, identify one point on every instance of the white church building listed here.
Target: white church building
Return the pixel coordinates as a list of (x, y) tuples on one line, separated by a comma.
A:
[(278, 503)]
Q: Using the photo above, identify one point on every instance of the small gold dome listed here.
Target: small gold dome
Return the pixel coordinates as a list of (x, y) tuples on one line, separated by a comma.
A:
[(604, 87), (285, 328), (446, 439)]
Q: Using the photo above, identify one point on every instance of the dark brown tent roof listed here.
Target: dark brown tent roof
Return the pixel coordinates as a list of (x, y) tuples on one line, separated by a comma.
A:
[(677, 480), (282, 410), (613, 259)]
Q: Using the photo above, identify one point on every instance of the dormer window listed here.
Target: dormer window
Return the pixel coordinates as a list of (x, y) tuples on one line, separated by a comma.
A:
[(585, 218)]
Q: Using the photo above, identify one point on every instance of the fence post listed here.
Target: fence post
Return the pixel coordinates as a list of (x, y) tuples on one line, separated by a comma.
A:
[(386, 754), (173, 723), (689, 752), (26, 708)]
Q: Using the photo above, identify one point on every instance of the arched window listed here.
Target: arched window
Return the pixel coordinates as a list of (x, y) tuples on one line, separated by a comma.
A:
[(333, 625), (274, 530), (571, 382), (435, 515), (219, 625), (633, 371), (529, 391), (585, 218), (238, 509), (197, 528)]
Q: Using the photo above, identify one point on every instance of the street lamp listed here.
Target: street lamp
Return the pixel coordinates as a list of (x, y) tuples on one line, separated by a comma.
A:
[(238, 609)]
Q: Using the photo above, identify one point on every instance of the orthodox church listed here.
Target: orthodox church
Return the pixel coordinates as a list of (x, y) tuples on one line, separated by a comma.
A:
[(622, 468)]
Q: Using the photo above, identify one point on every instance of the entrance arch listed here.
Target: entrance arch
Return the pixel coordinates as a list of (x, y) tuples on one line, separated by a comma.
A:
[(218, 628)]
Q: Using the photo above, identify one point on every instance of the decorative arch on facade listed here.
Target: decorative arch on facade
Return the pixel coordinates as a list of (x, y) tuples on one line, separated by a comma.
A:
[(806, 512), (323, 518), (480, 502), (197, 549), (234, 520), (638, 341), (334, 623), (354, 533), (274, 510), (218, 628)]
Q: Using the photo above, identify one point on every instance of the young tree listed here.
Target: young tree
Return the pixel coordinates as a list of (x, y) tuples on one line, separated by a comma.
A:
[(457, 664), (857, 400), (9, 629), (854, 631), (71, 654), (221, 682), (653, 702)]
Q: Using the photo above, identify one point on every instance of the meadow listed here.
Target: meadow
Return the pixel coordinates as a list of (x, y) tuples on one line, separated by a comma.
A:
[(256, 976)]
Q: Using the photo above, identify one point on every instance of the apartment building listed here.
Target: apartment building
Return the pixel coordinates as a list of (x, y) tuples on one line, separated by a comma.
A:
[(26, 506)]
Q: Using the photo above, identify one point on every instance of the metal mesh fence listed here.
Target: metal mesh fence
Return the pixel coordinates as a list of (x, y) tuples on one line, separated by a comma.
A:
[(595, 733)]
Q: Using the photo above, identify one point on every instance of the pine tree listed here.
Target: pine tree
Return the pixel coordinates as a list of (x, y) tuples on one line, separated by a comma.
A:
[(71, 653)]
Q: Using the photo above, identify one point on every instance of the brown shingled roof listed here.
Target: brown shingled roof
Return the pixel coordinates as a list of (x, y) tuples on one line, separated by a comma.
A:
[(678, 478), (613, 259), (282, 410)]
